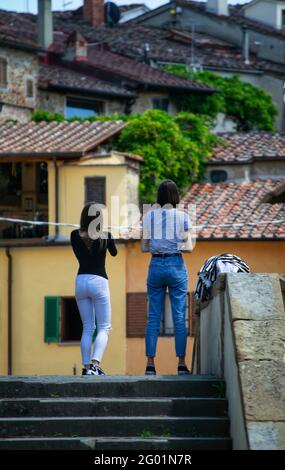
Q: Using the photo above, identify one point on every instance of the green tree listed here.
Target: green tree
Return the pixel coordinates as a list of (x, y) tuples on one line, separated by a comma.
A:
[(172, 147), (250, 106)]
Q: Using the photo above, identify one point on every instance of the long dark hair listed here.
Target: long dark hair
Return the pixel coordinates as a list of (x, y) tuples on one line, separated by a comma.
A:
[(86, 220), (167, 193)]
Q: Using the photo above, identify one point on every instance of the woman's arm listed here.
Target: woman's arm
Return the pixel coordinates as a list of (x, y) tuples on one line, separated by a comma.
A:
[(74, 244), (111, 245)]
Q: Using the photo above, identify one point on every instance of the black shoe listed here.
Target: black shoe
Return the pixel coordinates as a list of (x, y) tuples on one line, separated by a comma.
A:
[(150, 370), (84, 371), (95, 370), (182, 370)]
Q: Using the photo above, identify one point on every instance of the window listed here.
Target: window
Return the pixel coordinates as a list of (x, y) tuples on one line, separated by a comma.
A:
[(160, 103), (30, 88), (62, 320), (283, 18), (218, 176), (137, 316), (71, 325), (95, 189), (83, 108), (166, 324), (10, 184), (42, 183), (3, 73)]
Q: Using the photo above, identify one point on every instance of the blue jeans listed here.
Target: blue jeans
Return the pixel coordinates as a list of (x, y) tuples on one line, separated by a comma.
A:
[(167, 272)]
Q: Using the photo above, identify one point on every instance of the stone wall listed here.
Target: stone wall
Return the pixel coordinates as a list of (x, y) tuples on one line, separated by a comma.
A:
[(144, 102), (242, 337), (51, 102), (258, 318), (21, 66)]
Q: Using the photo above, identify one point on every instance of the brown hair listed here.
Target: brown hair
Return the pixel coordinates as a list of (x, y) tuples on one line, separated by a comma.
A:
[(86, 219), (167, 193)]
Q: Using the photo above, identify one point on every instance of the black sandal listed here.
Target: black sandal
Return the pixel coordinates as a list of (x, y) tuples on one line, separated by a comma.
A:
[(183, 370), (150, 370)]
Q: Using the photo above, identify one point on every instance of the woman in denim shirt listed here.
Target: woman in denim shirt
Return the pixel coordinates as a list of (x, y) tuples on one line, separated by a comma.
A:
[(165, 227)]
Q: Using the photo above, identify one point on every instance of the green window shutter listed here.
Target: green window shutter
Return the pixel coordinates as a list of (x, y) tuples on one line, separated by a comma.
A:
[(52, 319)]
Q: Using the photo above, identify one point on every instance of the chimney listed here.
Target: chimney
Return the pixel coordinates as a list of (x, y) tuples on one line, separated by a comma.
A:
[(245, 45), (94, 12), (220, 7), (76, 48), (45, 28)]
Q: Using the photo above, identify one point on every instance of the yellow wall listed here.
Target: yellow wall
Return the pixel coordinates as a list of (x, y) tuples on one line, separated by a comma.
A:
[(39, 272), (72, 189), (261, 256), (43, 271)]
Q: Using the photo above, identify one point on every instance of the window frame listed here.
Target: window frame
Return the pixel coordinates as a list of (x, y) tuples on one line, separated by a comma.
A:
[(219, 172), (159, 104), (86, 199), (58, 315), (3, 73), (84, 103), (63, 298), (129, 325), (32, 82)]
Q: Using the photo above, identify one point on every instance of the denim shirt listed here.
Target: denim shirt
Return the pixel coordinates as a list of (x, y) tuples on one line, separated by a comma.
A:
[(166, 230)]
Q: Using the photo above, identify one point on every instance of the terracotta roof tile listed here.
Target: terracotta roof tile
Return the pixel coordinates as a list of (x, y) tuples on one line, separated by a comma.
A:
[(61, 139), (60, 77), (237, 205), (129, 38), (245, 146), (139, 71)]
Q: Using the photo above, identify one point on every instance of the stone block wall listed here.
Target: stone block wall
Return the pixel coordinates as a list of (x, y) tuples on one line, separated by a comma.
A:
[(21, 66), (242, 338)]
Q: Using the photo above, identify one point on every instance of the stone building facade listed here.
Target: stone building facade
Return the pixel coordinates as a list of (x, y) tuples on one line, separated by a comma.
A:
[(18, 87)]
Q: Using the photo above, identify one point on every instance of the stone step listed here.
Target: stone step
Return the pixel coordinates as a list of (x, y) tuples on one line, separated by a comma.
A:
[(68, 407), (104, 387), (114, 443), (114, 426)]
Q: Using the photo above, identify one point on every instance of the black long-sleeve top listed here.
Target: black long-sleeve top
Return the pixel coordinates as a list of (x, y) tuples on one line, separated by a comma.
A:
[(92, 260)]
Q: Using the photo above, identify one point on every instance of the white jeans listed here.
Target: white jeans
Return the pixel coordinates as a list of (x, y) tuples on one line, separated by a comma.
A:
[(93, 300)]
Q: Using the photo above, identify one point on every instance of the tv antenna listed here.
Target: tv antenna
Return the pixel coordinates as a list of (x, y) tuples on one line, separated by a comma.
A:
[(194, 66), (66, 3)]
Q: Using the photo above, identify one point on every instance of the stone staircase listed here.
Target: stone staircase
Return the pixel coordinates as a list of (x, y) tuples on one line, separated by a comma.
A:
[(113, 413)]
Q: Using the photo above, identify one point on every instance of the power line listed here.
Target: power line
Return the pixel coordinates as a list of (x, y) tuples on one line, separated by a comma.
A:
[(198, 227)]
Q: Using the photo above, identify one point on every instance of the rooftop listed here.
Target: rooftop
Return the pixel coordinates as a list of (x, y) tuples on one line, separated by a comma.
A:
[(129, 39), (54, 139), (241, 210), (140, 72), (57, 77), (247, 146)]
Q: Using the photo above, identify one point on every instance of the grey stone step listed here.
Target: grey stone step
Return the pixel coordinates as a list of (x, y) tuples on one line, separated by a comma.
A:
[(114, 443), (113, 386), (60, 407), (114, 426)]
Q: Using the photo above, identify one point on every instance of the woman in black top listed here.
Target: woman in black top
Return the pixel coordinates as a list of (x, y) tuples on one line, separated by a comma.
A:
[(92, 293)]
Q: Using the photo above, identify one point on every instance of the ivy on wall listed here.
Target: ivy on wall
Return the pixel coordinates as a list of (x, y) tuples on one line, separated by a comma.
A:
[(251, 107)]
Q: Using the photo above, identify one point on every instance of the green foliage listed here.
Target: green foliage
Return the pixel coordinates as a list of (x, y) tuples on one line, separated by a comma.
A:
[(40, 115), (250, 106), (172, 147)]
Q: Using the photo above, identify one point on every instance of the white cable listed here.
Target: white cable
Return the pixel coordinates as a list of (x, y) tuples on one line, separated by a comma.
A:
[(197, 227)]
